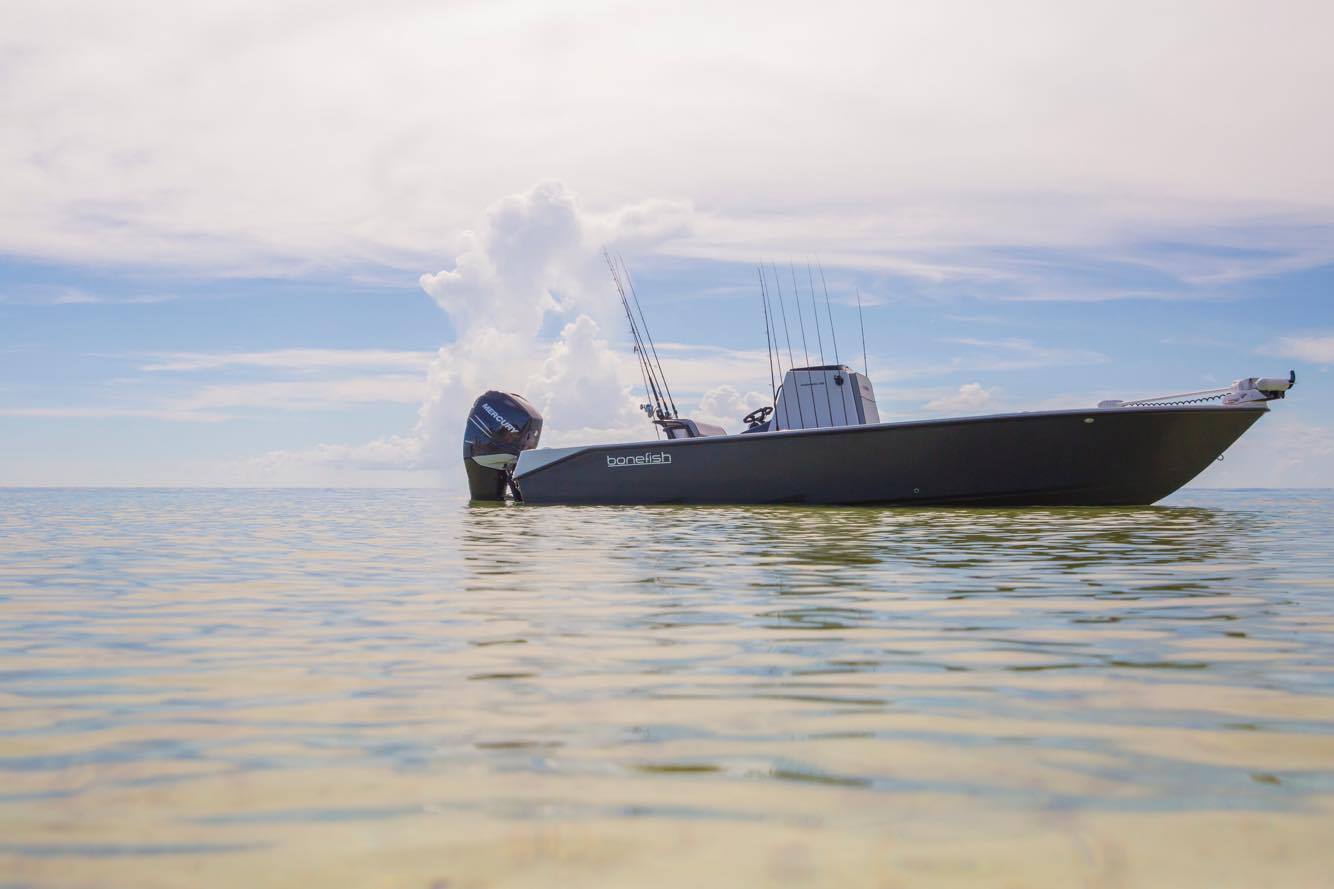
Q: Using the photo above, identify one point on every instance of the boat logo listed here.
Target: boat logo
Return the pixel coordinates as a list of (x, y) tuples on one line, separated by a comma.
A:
[(495, 415), (650, 459)]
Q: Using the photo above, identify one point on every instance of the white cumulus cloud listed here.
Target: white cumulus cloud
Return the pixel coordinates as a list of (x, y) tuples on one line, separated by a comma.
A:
[(725, 406), (969, 397), (1316, 349), (537, 256)]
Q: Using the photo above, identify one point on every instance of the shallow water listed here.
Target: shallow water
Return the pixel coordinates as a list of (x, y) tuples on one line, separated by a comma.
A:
[(310, 688)]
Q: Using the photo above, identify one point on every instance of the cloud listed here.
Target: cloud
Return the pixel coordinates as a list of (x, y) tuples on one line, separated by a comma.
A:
[(401, 380), (385, 454), (1279, 452), (1193, 340), (73, 296), (582, 382), (540, 252), (536, 256), (220, 401), (47, 295), (309, 395), (1318, 349), (1079, 295), (969, 397), (180, 414), (977, 319), (1019, 354), (246, 136), (725, 406), (292, 359)]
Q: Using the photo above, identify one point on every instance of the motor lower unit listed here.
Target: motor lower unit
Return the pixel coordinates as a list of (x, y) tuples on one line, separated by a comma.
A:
[(500, 426)]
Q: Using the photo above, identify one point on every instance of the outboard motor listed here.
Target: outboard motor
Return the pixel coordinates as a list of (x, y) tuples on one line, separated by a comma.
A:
[(500, 426)]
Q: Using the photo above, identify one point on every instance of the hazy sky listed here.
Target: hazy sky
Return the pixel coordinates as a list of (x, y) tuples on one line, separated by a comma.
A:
[(288, 243)]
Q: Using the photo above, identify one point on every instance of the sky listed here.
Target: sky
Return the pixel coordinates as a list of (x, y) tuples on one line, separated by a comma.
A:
[(265, 243)]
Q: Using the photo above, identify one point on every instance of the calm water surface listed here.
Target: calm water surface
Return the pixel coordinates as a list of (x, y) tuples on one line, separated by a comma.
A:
[(291, 688)]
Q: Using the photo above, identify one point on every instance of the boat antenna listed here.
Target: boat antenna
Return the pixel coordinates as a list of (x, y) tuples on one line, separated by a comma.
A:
[(661, 375), (645, 369), (833, 334), (800, 318), (768, 342), (865, 366)]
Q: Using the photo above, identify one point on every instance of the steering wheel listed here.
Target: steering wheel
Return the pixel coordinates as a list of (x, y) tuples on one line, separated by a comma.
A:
[(757, 416)]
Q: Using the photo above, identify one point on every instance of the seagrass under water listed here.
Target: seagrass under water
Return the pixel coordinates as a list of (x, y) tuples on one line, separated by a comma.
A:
[(368, 688)]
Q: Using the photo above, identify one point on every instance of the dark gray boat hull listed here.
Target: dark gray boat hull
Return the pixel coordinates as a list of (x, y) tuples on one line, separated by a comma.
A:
[(1053, 458)]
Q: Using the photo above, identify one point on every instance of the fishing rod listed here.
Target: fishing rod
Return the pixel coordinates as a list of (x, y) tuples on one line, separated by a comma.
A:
[(662, 375), (645, 369), (791, 362), (800, 317), (833, 334), (865, 365), (801, 411), (777, 351), (768, 343), (815, 311)]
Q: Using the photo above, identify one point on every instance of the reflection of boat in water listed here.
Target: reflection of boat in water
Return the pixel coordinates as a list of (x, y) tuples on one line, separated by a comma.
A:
[(821, 442)]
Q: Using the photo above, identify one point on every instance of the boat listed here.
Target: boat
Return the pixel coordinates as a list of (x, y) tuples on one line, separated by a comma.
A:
[(821, 441)]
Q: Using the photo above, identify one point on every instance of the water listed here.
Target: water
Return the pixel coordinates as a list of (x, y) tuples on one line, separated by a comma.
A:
[(289, 688)]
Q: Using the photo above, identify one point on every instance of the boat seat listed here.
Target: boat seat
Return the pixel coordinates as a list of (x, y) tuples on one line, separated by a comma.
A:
[(684, 428)]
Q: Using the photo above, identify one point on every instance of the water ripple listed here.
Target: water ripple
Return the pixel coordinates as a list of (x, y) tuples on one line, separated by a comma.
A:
[(424, 690)]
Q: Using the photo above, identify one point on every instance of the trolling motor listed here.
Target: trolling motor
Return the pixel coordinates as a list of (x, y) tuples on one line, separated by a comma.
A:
[(500, 426), (1260, 389), (1240, 392)]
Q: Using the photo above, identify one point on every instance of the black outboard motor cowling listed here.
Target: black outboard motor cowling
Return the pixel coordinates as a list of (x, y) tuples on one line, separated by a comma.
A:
[(500, 426)]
